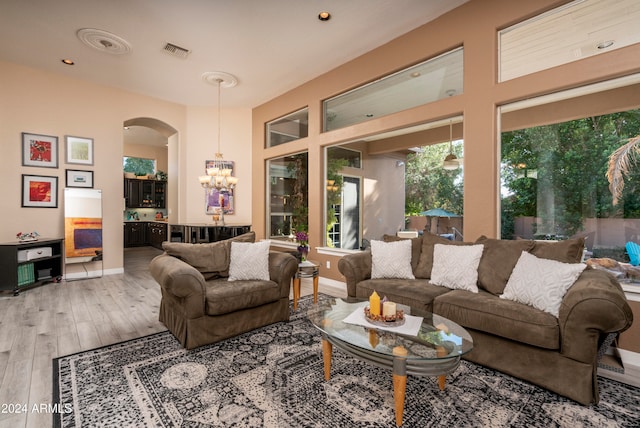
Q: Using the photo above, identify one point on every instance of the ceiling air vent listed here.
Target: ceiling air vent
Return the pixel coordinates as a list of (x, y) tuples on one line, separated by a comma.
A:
[(176, 50)]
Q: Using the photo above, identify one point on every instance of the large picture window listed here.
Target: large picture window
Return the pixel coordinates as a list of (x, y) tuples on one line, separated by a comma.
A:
[(287, 191), (554, 182)]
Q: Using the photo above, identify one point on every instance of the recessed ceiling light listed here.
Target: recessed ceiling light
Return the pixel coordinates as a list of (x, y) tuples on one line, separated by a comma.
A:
[(68, 62), (324, 16), (605, 44), (369, 115), (415, 74)]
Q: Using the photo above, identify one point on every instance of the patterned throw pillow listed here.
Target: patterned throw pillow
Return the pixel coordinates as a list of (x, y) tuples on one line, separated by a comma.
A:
[(456, 266), (541, 283), (391, 259), (249, 261)]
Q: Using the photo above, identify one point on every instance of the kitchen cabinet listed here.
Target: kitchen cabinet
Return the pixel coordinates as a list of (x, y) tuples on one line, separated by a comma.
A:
[(29, 264), (145, 193), (156, 234), (135, 234)]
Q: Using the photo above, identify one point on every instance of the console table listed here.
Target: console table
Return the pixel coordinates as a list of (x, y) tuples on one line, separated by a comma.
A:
[(33, 269)]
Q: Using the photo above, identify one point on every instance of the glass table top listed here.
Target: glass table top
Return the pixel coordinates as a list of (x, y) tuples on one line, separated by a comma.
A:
[(436, 338)]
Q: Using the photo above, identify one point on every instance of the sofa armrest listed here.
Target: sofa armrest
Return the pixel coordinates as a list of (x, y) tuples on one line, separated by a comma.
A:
[(595, 305), (355, 267), (182, 281), (282, 268)]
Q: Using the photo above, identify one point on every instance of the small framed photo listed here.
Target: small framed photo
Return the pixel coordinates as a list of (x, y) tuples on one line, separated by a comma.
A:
[(79, 150), (39, 191), (39, 150), (78, 178)]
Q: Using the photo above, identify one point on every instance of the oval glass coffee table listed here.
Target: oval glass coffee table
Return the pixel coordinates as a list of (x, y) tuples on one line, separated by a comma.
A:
[(425, 345)]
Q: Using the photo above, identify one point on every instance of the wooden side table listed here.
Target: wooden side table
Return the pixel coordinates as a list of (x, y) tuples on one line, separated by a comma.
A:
[(306, 269)]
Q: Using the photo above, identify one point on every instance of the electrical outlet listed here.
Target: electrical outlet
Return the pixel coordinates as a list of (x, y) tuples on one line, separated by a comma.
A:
[(328, 264)]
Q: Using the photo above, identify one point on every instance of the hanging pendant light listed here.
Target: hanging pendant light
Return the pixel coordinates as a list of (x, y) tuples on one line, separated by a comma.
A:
[(219, 173), (451, 162)]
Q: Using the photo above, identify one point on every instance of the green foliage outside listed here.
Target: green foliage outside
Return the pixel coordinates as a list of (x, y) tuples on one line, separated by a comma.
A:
[(428, 185), (297, 169), (570, 162), (139, 166), (335, 180)]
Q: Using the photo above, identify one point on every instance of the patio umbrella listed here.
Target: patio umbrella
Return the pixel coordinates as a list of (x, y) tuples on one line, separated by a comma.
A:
[(438, 212)]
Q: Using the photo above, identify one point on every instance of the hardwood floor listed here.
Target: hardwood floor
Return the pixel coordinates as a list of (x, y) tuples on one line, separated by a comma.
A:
[(60, 319)]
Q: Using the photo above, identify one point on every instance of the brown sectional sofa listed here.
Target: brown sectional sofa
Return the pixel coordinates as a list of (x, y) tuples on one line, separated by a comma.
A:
[(559, 354), (200, 306)]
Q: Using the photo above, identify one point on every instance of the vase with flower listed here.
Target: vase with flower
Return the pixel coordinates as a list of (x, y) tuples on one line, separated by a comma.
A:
[(302, 238)]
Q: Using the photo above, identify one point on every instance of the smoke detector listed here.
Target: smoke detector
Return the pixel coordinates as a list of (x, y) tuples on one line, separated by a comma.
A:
[(104, 41)]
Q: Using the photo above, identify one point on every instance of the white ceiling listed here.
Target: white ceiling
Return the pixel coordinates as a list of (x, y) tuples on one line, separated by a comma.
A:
[(270, 46)]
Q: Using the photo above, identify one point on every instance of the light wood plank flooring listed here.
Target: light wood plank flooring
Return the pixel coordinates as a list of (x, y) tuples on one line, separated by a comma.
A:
[(60, 319)]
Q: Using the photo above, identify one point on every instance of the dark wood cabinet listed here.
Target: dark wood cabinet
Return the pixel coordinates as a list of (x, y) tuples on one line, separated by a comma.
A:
[(159, 194), (135, 234), (157, 234), (145, 193), (29, 264)]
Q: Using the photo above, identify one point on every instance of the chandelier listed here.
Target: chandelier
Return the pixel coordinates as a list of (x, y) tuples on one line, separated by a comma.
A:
[(218, 179)]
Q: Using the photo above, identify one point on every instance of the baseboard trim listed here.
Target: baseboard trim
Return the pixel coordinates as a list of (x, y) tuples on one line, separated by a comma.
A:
[(92, 274)]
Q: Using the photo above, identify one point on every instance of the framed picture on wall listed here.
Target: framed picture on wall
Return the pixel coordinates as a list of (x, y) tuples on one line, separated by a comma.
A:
[(79, 150), (78, 178), (39, 150), (39, 191)]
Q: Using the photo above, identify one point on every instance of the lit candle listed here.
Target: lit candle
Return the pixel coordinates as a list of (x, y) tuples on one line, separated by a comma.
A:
[(374, 304), (388, 309)]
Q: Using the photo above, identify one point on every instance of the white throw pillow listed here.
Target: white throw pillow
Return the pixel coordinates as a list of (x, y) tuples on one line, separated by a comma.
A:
[(391, 259), (249, 260), (456, 266), (541, 283)]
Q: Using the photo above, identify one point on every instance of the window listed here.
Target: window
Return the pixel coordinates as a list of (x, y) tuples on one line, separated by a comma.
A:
[(554, 182), (384, 184), (288, 196), (288, 128), (139, 166), (420, 84), (577, 30), (433, 194)]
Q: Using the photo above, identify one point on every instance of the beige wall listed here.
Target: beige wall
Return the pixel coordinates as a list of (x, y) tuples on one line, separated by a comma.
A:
[(473, 25), (46, 103), (235, 135)]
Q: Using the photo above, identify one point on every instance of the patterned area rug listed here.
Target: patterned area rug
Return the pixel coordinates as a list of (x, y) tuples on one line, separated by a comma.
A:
[(273, 377)]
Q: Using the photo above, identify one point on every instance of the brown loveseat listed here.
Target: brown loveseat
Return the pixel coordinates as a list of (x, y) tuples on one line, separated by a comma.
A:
[(559, 354), (200, 306)]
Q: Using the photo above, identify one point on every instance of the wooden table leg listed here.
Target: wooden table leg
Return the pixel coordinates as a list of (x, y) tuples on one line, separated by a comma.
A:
[(315, 289), (327, 348), (296, 292), (399, 389), (441, 352), (399, 381)]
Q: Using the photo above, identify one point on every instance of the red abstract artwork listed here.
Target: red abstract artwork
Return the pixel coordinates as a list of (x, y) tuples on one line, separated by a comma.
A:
[(40, 150), (40, 191)]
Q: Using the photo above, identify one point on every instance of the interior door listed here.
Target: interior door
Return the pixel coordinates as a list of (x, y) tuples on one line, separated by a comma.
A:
[(350, 213)]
